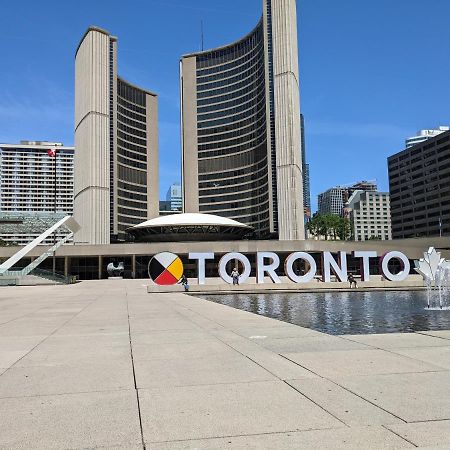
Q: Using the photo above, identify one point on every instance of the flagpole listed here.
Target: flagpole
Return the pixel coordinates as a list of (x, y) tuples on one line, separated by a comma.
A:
[(54, 210)]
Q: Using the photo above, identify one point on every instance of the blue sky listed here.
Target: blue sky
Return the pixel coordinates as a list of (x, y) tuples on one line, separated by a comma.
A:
[(372, 72)]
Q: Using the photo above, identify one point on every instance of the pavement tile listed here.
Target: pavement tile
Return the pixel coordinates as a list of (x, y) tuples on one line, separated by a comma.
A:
[(78, 350), (197, 349), (230, 368), (425, 433), (198, 412), (410, 396), (373, 438), (277, 332), (62, 379), (161, 324), (438, 356), (75, 421), (348, 407), (310, 344), (397, 340), (169, 337), (333, 364)]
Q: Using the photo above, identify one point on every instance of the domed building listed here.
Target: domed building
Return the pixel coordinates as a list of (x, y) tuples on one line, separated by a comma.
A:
[(190, 227)]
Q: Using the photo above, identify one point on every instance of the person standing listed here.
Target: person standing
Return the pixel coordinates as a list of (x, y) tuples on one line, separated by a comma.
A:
[(235, 275)]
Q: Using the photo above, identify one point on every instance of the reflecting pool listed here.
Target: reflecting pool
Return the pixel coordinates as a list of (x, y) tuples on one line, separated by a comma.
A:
[(344, 312)]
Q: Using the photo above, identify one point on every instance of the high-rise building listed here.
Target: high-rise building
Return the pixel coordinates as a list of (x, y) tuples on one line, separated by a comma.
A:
[(27, 177), (419, 184), (174, 197), (305, 170), (333, 200), (241, 128), (424, 135), (370, 215), (116, 141), (30, 200)]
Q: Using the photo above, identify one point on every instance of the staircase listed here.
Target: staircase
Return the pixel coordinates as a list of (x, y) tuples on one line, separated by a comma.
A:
[(13, 277)]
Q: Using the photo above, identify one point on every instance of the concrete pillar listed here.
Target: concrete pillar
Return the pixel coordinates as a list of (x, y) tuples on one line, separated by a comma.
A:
[(133, 266), (100, 265), (66, 266)]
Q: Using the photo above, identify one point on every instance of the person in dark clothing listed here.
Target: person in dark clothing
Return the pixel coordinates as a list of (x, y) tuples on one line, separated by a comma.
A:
[(352, 281), (184, 282)]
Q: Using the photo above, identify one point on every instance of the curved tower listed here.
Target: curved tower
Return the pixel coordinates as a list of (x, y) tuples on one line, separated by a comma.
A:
[(116, 141), (241, 128)]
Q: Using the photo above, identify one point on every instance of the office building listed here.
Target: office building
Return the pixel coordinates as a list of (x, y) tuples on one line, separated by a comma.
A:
[(241, 128), (27, 177), (370, 215), (305, 171), (419, 184), (174, 197), (116, 141), (333, 200), (29, 202), (424, 135)]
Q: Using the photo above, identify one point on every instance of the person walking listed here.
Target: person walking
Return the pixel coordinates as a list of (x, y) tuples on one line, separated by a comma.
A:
[(235, 275), (184, 282)]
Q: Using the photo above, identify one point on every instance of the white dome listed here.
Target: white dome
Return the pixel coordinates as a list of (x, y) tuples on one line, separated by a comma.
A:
[(190, 219)]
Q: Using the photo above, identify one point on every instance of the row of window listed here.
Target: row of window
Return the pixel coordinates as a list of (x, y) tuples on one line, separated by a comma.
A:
[(131, 131), (222, 164), (132, 187), (132, 175), (131, 162), (129, 138), (241, 185), (256, 92), (131, 155), (130, 106), (235, 152), (231, 131), (240, 196), (230, 79), (131, 122), (130, 93), (252, 86), (234, 174)]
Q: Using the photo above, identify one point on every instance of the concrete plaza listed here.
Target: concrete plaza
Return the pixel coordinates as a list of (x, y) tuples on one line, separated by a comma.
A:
[(104, 364)]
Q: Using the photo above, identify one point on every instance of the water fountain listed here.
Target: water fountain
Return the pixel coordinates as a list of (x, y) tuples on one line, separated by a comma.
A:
[(436, 274)]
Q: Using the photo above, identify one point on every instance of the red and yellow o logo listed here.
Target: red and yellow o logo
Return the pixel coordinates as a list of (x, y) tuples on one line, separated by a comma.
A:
[(165, 269)]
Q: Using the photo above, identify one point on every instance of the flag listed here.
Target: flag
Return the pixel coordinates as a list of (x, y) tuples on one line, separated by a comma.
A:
[(51, 153)]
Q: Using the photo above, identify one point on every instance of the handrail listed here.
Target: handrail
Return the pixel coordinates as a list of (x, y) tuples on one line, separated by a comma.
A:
[(25, 250)]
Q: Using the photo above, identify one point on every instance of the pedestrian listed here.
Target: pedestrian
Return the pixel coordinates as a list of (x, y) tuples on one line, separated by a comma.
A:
[(235, 275), (352, 281), (184, 282)]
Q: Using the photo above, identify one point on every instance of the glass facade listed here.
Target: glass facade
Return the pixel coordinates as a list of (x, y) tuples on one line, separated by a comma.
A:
[(132, 156), (232, 130)]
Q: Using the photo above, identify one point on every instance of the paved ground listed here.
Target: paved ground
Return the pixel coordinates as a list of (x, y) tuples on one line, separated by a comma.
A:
[(105, 365)]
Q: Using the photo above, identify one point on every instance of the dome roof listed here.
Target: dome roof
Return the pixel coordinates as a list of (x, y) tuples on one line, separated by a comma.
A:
[(190, 219), (189, 227)]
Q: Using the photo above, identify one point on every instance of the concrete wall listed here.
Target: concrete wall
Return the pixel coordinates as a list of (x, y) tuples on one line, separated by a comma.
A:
[(188, 81), (287, 120)]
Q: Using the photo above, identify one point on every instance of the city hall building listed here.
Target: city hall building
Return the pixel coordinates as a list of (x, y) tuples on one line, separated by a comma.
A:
[(116, 142), (241, 133)]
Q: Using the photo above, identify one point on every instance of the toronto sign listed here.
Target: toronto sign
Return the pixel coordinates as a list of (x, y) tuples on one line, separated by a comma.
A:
[(167, 268)]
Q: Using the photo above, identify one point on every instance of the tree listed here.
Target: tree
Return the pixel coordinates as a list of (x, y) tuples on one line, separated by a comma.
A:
[(330, 226)]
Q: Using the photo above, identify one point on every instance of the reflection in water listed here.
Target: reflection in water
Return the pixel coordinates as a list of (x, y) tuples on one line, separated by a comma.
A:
[(344, 312)]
